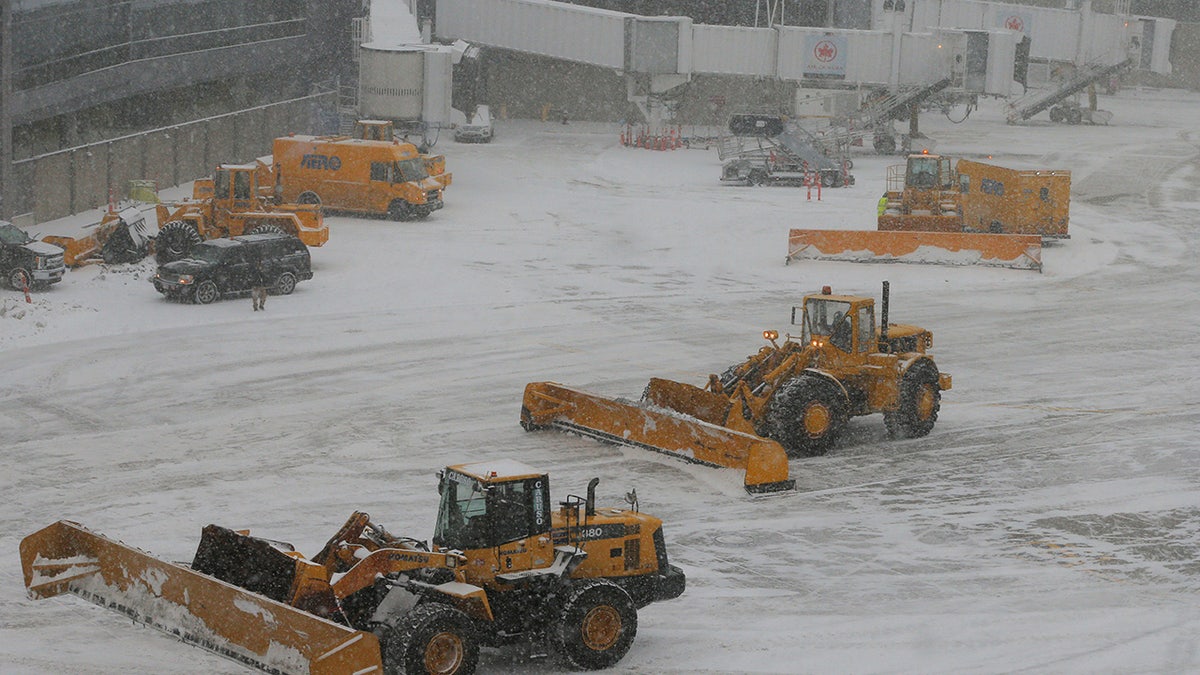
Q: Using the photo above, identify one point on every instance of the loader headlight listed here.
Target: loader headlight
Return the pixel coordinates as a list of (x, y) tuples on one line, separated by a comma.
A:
[(770, 335), (185, 278)]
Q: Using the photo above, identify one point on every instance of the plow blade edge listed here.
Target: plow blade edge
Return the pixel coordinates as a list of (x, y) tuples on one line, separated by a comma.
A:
[(551, 404), (252, 629), (1018, 251)]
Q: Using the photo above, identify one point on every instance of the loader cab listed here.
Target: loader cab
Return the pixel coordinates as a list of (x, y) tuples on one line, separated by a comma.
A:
[(929, 172), (489, 504), (844, 322), (234, 187)]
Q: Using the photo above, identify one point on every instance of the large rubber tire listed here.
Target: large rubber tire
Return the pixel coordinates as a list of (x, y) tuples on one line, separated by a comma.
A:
[(267, 228), (285, 284), (808, 415), (206, 293), (433, 638), (309, 197), (757, 178), (1074, 116), (175, 241), (829, 179), (399, 210), (19, 279), (1056, 114), (596, 626), (920, 400)]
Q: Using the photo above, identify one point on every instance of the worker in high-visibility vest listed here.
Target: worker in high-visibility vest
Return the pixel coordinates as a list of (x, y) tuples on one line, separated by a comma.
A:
[(883, 202)]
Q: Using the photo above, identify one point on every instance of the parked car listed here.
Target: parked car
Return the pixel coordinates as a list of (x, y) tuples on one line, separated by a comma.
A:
[(220, 267), (27, 263), (478, 127)]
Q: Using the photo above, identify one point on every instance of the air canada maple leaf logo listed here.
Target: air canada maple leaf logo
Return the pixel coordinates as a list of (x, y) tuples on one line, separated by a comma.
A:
[(825, 51), (1014, 23)]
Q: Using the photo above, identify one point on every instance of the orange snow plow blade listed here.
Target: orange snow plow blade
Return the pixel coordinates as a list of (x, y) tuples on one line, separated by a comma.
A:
[(1018, 251), (551, 404), (252, 629)]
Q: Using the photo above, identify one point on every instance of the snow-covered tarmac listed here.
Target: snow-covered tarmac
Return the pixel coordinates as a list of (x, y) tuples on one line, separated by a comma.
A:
[(1050, 522)]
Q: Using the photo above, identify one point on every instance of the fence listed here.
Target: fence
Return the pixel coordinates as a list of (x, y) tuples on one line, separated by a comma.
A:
[(78, 179)]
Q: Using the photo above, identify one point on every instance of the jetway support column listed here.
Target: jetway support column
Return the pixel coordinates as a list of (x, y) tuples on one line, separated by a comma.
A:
[(647, 92)]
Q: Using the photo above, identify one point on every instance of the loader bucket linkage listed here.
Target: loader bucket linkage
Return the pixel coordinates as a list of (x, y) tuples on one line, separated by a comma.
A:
[(198, 609), (551, 404)]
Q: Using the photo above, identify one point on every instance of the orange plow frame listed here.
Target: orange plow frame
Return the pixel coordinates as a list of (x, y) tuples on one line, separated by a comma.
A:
[(198, 609), (1018, 251), (764, 461)]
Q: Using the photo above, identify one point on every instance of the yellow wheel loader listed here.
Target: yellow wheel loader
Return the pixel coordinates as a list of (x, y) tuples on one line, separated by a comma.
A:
[(794, 397), (231, 204), (503, 568)]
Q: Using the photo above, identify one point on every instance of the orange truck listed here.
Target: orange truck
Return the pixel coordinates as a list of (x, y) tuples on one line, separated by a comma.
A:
[(374, 177), (930, 193), (1000, 200)]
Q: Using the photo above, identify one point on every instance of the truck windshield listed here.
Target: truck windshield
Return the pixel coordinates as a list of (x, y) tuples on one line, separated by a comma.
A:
[(410, 170), (11, 234), (462, 514)]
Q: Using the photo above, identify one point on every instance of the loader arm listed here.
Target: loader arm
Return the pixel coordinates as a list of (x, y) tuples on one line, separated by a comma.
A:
[(198, 609)]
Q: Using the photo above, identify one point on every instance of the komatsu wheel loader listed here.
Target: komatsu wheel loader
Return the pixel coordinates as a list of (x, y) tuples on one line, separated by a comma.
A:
[(792, 398), (503, 568)]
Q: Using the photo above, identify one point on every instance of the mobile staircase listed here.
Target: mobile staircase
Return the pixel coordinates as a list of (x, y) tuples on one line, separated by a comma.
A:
[(1055, 100)]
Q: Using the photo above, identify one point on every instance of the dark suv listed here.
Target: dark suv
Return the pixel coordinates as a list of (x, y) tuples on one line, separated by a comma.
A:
[(26, 263), (227, 267)]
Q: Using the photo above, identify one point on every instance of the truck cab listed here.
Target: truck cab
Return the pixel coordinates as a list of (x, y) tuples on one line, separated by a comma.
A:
[(26, 263)]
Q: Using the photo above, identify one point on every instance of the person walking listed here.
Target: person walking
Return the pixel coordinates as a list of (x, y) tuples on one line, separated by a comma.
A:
[(260, 281)]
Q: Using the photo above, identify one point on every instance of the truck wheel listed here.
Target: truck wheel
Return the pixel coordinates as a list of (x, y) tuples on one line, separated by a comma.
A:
[(920, 400), (828, 178), (433, 638), (757, 178), (596, 626), (285, 284), (309, 197), (19, 279), (399, 210), (174, 241), (1056, 114), (206, 293), (808, 415), (1074, 115)]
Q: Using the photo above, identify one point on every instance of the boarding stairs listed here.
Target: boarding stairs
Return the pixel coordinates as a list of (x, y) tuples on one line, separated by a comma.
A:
[(1085, 76)]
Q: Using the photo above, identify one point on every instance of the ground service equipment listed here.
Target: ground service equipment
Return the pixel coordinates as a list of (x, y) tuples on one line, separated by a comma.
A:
[(931, 193), (227, 205), (377, 177), (121, 236), (795, 397), (942, 212), (503, 568), (383, 130)]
